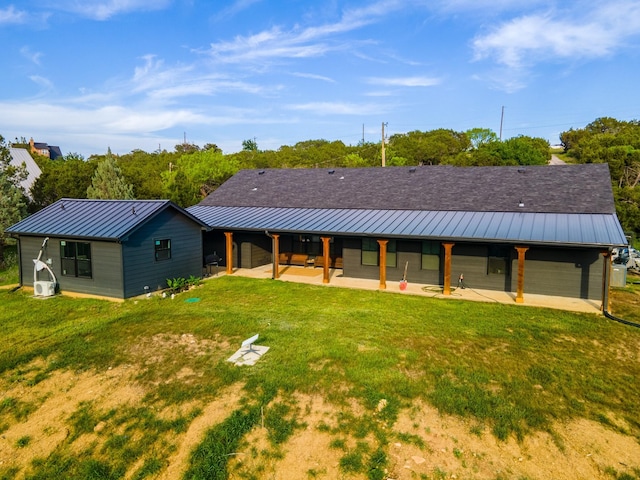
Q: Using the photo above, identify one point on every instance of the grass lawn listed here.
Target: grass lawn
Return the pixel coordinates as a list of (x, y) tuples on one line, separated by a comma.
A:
[(509, 371)]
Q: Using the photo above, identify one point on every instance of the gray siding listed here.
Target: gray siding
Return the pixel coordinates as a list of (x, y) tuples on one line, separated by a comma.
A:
[(575, 273), (255, 250), (352, 261), (472, 261), (564, 272), (140, 267), (411, 252), (106, 266)]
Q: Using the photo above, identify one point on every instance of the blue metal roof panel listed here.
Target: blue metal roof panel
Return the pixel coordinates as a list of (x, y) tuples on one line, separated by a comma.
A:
[(104, 219), (533, 228)]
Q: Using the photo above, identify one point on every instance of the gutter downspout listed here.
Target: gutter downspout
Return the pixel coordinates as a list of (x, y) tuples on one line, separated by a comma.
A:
[(605, 295)]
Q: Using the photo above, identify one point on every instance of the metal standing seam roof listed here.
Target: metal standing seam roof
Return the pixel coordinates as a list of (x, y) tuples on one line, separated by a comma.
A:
[(94, 219), (561, 229), (20, 156)]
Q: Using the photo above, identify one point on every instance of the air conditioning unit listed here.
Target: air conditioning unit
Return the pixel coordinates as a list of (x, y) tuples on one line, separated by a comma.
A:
[(44, 288)]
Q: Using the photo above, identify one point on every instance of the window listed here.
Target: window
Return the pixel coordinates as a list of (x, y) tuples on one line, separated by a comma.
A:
[(76, 259), (430, 255), (163, 249), (371, 252), (498, 261), (309, 244)]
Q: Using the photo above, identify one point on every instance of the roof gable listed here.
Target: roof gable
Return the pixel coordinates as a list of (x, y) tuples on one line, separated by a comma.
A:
[(532, 189), (95, 219)]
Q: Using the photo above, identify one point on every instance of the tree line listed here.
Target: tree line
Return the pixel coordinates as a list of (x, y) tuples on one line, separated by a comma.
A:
[(189, 173)]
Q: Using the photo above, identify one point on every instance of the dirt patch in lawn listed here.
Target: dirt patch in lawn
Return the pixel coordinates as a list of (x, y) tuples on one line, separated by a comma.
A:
[(421, 443)]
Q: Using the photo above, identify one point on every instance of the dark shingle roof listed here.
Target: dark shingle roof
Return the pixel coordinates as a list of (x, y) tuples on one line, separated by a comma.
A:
[(568, 205), (540, 189), (94, 219)]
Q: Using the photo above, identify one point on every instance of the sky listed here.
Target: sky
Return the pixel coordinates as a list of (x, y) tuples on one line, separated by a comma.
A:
[(92, 75)]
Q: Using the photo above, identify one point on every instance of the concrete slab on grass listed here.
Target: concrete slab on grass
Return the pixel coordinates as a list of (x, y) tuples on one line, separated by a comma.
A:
[(248, 355)]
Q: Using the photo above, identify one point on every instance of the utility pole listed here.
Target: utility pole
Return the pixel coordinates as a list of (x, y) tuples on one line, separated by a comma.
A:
[(383, 158), (363, 134), (501, 120)]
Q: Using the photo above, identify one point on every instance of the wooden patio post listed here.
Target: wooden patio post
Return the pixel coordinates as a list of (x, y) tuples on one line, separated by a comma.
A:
[(446, 290), (276, 256), (325, 259), (383, 263), (520, 292), (229, 236)]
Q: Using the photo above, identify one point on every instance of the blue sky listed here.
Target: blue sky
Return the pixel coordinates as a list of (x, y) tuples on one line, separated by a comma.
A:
[(88, 75)]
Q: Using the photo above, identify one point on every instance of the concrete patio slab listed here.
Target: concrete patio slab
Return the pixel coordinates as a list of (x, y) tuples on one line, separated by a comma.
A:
[(312, 276)]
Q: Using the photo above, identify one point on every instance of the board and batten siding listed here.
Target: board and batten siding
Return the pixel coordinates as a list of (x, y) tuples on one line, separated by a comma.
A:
[(575, 273), (106, 266), (140, 266), (569, 272)]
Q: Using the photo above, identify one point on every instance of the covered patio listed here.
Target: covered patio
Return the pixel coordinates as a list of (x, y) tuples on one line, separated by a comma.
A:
[(314, 276)]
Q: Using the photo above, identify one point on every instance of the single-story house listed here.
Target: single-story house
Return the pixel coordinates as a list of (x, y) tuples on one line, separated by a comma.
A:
[(111, 248), (530, 229)]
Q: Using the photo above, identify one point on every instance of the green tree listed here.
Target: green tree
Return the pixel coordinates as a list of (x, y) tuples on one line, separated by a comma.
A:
[(212, 146), (250, 145), (13, 202), (617, 143), (520, 150), (353, 160), (197, 174), (428, 148), (144, 171), (187, 148), (107, 182), (481, 136), (66, 178)]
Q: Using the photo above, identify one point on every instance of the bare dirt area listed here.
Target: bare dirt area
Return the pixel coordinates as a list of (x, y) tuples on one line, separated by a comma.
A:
[(421, 443)]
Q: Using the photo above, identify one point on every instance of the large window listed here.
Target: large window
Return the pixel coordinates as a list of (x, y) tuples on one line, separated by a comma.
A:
[(309, 244), (498, 261), (163, 249), (371, 252), (430, 255), (75, 259)]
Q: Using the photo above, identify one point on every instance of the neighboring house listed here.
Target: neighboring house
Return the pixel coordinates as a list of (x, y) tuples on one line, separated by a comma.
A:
[(544, 229), (111, 248), (21, 156), (45, 150)]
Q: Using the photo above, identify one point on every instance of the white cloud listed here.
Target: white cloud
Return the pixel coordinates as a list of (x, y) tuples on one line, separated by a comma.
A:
[(235, 8), (487, 7), (43, 82), (560, 35), (336, 108), (158, 82), (277, 43), (313, 77), (10, 15), (33, 57), (105, 9), (405, 81)]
